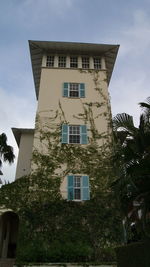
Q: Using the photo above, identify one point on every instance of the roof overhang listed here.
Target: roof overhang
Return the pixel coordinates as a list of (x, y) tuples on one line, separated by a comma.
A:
[(38, 48), (19, 131)]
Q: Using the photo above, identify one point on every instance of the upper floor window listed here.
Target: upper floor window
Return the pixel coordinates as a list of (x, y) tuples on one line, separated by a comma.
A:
[(62, 62), (73, 62), (78, 187), (74, 90), (97, 63), (85, 63), (50, 61), (74, 134)]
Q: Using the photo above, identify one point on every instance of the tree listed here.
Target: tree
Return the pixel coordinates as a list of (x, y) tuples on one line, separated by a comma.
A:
[(6, 151), (132, 158)]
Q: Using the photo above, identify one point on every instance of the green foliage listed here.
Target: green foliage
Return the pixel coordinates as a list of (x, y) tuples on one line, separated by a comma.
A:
[(132, 164), (54, 229), (6, 151), (15, 195), (66, 231), (134, 255)]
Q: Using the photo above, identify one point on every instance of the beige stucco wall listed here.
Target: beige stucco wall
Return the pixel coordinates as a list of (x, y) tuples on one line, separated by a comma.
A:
[(50, 94), (25, 155)]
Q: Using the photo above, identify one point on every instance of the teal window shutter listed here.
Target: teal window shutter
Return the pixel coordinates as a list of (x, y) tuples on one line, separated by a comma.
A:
[(85, 188), (70, 187), (64, 139), (82, 90), (83, 132), (65, 89)]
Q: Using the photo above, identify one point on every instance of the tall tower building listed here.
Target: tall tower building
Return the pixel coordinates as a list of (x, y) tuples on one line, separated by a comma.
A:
[(68, 77)]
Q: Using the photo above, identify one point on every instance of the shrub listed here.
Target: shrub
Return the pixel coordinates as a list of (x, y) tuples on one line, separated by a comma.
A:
[(134, 255)]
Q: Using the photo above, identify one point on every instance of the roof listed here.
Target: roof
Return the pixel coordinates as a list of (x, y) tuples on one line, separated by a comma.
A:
[(38, 48), (19, 131)]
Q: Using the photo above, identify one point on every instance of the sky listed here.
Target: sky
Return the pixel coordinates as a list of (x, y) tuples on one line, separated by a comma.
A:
[(126, 23)]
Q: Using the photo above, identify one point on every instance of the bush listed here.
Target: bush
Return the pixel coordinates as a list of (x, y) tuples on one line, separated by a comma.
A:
[(69, 252), (41, 251), (134, 255), (107, 254)]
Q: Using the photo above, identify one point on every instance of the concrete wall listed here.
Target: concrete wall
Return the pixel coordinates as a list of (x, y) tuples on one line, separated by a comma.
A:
[(25, 155)]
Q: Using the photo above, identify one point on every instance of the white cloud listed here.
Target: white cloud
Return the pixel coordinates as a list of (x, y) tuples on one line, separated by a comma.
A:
[(130, 82), (136, 38)]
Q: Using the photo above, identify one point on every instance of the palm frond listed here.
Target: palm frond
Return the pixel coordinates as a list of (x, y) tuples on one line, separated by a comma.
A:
[(124, 122), (6, 151), (146, 108)]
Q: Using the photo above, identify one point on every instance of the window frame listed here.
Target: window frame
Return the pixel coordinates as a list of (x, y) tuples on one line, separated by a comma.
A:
[(69, 126), (75, 187), (85, 65), (84, 187), (97, 66), (62, 64), (76, 63), (67, 90), (71, 90), (65, 134), (48, 61)]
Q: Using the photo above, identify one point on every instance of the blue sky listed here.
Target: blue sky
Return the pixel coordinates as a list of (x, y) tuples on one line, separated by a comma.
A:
[(96, 21)]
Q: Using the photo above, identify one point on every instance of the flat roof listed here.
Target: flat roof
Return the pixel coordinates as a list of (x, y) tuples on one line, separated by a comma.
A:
[(19, 131), (38, 48)]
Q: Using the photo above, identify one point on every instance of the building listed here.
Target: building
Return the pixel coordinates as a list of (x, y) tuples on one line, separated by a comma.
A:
[(67, 74), (68, 77)]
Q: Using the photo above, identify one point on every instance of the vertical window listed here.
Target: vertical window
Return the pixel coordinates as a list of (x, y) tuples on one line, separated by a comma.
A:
[(74, 90), (50, 61), (78, 187), (97, 63), (74, 134), (85, 63), (62, 62), (73, 62)]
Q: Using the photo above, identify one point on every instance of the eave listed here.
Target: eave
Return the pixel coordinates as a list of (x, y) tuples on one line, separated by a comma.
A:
[(19, 131), (38, 48)]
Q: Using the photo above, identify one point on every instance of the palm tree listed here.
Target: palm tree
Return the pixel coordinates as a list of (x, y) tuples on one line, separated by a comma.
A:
[(132, 158), (146, 108), (6, 151)]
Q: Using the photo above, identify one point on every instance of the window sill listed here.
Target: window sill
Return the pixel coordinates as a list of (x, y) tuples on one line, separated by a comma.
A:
[(67, 68), (73, 97)]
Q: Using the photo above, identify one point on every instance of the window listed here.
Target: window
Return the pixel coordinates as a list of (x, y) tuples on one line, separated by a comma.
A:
[(73, 62), (85, 63), (62, 62), (78, 187), (74, 134), (50, 61), (74, 90), (97, 63)]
